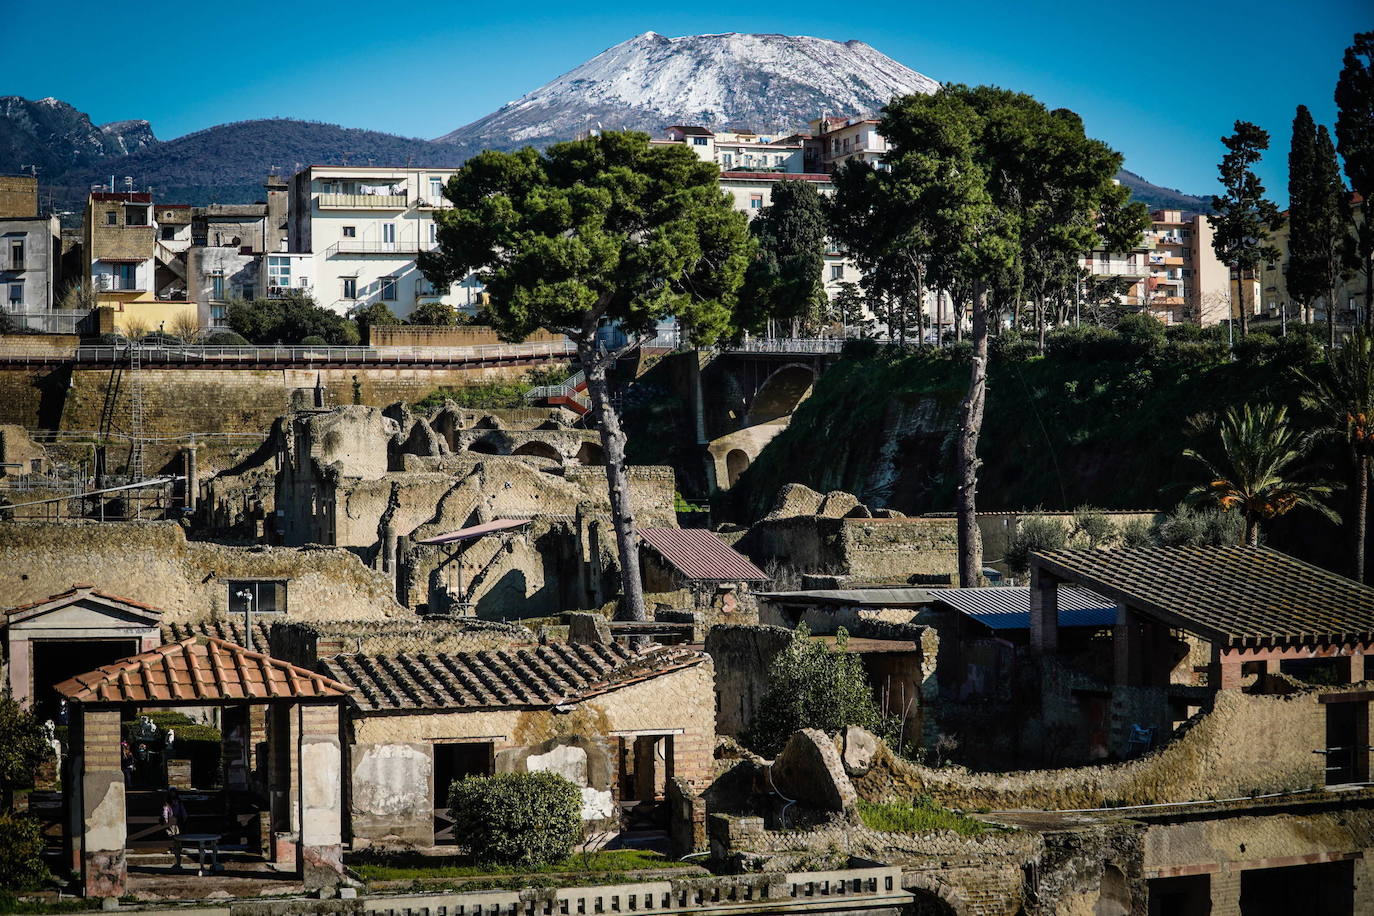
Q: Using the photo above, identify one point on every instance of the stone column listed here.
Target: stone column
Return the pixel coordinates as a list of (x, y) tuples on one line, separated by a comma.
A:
[(103, 832), (1044, 611), (1357, 667), (320, 851)]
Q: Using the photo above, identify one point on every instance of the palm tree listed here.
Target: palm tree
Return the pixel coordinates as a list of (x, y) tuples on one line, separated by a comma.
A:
[(1259, 448), (1344, 396)]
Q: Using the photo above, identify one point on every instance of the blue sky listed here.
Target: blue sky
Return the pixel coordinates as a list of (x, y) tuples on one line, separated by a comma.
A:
[(1160, 82)]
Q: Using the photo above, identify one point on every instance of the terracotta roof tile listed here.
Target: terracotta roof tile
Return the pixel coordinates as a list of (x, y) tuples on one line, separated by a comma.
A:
[(79, 590), (199, 668), (699, 554), (538, 677)]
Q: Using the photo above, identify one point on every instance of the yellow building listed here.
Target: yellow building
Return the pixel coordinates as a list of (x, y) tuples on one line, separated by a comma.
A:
[(119, 235)]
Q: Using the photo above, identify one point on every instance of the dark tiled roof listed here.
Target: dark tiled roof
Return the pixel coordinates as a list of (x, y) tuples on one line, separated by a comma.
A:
[(700, 554), (1238, 595), (1008, 608), (198, 669), (539, 677), (227, 630)]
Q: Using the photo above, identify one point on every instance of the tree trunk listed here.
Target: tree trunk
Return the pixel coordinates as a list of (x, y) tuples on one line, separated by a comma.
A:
[(1040, 322), (1361, 513), (1251, 530), (1240, 303), (1331, 319), (966, 460), (1369, 288), (617, 482)]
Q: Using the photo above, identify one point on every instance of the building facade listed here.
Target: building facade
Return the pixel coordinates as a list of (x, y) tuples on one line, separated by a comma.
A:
[(31, 252), (1277, 302), (129, 267), (365, 227)]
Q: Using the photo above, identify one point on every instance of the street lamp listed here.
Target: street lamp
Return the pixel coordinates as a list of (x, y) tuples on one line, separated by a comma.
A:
[(247, 596)]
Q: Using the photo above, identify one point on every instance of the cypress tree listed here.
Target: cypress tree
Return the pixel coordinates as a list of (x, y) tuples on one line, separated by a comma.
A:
[(1243, 217), (1303, 285), (1355, 141)]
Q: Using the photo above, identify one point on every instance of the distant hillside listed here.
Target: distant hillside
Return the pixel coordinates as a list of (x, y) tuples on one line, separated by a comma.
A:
[(1157, 198), (227, 163), (52, 136)]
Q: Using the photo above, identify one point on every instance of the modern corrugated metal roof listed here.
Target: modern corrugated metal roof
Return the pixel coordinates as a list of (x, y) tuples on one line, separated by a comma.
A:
[(1008, 608), (535, 677), (199, 669), (701, 554), (1240, 595), (863, 597)]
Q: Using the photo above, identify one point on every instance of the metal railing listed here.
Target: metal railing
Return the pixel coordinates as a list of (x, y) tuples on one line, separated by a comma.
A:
[(52, 321), (788, 345), (363, 201), (187, 353), (369, 246)]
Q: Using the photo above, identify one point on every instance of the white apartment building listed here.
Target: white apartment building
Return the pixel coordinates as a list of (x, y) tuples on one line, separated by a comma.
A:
[(364, 228), (843, 139), (742, 151)]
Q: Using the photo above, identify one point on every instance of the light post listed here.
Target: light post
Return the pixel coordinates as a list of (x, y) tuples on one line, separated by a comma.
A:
[(247, 596)]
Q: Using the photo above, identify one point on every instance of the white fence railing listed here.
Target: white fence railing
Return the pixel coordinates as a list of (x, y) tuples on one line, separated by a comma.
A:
[(187, 353), (52, 321), (821, 891)]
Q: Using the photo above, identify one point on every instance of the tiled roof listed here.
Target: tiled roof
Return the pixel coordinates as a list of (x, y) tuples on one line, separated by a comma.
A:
[(199, 669), (700, 554), (1008, 608), (79, 591), (227, 630), (539, 677), (1238, 595)]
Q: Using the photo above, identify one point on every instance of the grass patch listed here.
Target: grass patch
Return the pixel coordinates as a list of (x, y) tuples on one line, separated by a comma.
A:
[(492, 395), (920, 816), (9, 903), (407, 867)]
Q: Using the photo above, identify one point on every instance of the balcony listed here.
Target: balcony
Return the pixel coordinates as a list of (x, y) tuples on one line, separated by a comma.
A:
[(1115, 269), (1169, 240), (362, 201), (368, 246)]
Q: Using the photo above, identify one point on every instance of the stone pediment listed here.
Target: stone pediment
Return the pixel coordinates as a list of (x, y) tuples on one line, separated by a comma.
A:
[(83, 608)]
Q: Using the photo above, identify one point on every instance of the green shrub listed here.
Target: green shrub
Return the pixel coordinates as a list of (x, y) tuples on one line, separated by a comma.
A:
[(21, 853), (23, 747), (1138, 533), (526, 819), (1035, 534), (1084, 342), (314, 340), (1014, 346), (1141, 336), (225, 338), (812, 686), (434, 314), (1185, 527), (921, 816), (1093, 525)]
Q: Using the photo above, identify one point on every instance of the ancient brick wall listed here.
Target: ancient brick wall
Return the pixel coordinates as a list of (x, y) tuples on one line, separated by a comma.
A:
[(152, 562)]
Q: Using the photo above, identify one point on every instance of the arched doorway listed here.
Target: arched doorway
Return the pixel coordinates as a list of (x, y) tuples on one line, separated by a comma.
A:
[(482, 447), (780, 394), (1114, 898), (537, 449), (591, 454), (736, 461)]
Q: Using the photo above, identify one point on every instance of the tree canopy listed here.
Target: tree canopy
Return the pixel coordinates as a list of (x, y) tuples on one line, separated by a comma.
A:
[(784, 282), (1243, 217)]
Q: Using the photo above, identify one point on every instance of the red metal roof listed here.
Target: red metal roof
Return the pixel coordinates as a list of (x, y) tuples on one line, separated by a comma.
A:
[(476, 531), (700, 554), (200, 669)]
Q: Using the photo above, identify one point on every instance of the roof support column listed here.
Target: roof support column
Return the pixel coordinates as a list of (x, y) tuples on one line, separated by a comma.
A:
[(1126, 637), (103, 834), (320, 852), (1044, 611)]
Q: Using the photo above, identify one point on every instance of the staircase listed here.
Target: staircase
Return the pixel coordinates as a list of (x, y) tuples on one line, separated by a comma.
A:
[(572, 394)]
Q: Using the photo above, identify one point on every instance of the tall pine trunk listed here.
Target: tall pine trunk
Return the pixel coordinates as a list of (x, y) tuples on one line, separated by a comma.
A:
[(966, 460), (1361, 513), (1240, 303), (617, 482), (1331, 318)]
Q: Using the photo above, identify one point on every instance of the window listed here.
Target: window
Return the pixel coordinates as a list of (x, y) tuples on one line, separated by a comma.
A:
[(727, 160), (755, 201), (219, 316), (389, 233), (389, 288), (350, 287), (16, 295), (111, 217), (135, 216), (126, 276), (436, 188), (434, 233), (259, 595), (17, 254), (169, 233), (350, 232), (698, 141), (278, 271), (837, 271), (246, 290)]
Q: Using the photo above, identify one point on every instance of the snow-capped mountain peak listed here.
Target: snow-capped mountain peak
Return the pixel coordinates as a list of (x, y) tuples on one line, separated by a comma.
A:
[(764, 82)]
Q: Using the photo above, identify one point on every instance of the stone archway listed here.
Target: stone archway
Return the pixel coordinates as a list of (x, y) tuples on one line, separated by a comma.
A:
[(931, 897), (780, 394), (591, 454), (736, 462), (536, 449)]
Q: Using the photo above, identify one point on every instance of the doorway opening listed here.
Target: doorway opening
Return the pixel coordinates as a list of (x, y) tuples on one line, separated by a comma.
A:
[(452, 763)]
